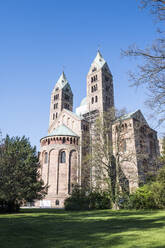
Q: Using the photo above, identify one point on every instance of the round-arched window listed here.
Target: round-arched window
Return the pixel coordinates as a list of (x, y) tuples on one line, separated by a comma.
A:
[(45, 157), (62, 157)]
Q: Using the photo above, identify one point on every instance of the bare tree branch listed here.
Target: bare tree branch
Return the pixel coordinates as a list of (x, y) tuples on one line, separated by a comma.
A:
[(151, 70)]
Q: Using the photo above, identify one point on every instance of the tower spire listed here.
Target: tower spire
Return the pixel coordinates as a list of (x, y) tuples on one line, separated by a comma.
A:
[(63, 75), (61, 98)]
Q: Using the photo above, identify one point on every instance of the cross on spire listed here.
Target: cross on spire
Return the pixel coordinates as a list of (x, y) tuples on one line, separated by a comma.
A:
[(98, 49), (63, 68)]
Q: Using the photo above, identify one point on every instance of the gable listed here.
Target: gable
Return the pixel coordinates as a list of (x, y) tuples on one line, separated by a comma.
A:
[(139, 116), (69, 119)]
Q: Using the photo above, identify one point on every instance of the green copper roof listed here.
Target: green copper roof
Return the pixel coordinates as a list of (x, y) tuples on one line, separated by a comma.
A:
[(136, 114), (127, 116), (83, 102), (62, 81), (64, 131), (99, 60)]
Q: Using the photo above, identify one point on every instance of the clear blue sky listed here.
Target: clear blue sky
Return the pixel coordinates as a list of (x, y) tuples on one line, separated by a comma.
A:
[(39, 37)]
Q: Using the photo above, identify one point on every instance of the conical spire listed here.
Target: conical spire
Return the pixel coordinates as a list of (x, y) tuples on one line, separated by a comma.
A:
[(62, 81), (99, 54), (99, 59), (98, 62), (63, 76)]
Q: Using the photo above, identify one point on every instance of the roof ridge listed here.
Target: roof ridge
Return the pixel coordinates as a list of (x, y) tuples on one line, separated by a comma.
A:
[(74, 114)]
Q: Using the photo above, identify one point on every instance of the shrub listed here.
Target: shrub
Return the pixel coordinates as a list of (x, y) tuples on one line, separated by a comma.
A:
[(99, 200), (161, 175), (78, 200), (142, 198), (84, 200), (158, 193), (124, 201)]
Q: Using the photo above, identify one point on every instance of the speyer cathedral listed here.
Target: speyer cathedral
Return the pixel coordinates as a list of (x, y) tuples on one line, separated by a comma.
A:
[(61, 155)]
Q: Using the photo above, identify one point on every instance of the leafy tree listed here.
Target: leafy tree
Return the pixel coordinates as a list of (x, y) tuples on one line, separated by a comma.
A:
[(19, 177), (151, 71)]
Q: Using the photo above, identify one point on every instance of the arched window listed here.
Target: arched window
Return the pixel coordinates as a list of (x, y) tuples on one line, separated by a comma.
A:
[(63, 140), (57, 202), (62, 157), (92, 99), (45, 157), (95, 98), (125, 146)]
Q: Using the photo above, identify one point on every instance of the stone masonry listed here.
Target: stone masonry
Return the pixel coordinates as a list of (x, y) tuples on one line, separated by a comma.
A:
[(61, 153)]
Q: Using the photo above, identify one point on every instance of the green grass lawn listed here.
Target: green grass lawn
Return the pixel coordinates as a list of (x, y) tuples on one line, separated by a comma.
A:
[(43, 228)]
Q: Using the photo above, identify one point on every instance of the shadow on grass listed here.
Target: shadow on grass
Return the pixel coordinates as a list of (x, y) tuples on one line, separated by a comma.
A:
[(52, 228), (90, 212)]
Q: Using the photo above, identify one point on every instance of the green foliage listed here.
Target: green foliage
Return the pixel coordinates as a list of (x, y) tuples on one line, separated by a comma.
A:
[(158, 193), (158, 189), (99, 200), (142, 198), (78, 200), (150, 177), (124, 201), (83, 200), (151, 195), (161, 175), (19, 176)]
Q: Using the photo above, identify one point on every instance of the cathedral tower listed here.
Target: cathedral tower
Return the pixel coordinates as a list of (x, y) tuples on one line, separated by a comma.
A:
[(100, 96), (61, 97), (64, 147)]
